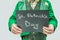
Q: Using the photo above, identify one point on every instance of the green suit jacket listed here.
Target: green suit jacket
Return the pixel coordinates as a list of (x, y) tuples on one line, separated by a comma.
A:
[(45, 5)]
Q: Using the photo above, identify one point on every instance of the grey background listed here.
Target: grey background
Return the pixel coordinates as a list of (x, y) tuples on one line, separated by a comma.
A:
[(6, 9)]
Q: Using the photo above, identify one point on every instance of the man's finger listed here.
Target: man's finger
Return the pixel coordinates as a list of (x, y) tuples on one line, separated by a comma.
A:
[(46, 31), (47, 28), (17, 28), (51, 27), (13, 31)]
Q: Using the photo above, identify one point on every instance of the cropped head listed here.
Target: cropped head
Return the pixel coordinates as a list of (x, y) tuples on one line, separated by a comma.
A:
[(31, 1)]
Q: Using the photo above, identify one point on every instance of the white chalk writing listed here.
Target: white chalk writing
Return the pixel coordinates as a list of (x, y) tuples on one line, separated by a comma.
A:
[(28, 24)]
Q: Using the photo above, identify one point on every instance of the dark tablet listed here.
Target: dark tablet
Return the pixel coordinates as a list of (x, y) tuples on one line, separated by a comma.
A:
[(32, 20)]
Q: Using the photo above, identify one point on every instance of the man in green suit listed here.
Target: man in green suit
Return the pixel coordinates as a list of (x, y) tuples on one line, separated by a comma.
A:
[(33, 5)]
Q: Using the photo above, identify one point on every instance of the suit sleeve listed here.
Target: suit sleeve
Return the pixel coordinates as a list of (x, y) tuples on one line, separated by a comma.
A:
[(52, 18), (12, 19)]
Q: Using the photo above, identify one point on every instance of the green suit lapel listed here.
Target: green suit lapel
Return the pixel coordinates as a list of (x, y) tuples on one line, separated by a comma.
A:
[(43, 5), (22, 6)]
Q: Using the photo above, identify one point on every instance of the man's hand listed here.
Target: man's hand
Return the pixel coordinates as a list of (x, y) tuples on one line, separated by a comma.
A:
[(48, 30), (15, 29)]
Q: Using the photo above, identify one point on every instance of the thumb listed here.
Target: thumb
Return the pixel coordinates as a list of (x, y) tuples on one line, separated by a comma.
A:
[(51, 27)]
